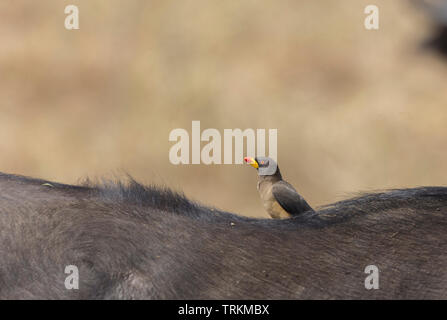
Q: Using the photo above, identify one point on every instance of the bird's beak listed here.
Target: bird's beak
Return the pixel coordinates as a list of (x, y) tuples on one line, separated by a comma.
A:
[(251, 161)]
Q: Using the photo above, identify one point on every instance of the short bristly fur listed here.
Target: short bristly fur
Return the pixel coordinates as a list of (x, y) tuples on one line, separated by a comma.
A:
[(131, 241)]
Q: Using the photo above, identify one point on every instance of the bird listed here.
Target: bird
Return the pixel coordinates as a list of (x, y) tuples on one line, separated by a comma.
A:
[(436, 11), (279, 198)]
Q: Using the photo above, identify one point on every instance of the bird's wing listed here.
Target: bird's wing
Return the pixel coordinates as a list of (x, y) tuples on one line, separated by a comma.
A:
[(290, 200)]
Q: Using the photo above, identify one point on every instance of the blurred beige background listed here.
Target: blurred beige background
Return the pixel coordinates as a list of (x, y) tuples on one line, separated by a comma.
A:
[(355, 110)]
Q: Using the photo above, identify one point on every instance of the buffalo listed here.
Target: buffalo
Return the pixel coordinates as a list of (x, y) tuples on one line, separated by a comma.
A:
[(126, 240)]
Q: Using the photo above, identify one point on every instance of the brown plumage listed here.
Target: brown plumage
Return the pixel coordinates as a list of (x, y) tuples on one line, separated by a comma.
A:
[(280, 199)]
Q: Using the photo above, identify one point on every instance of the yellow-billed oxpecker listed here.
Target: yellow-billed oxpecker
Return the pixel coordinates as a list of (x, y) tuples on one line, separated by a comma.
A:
[(280, 199)]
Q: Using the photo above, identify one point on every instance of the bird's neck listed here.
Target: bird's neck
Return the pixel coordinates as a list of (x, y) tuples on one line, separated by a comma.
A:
[(273, 178)]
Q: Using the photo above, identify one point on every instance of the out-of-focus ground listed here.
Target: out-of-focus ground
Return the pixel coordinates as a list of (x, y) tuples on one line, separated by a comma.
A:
[(356, 110)]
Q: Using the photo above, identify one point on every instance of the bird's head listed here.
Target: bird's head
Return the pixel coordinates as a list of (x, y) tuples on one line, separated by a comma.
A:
[(266, 166)]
